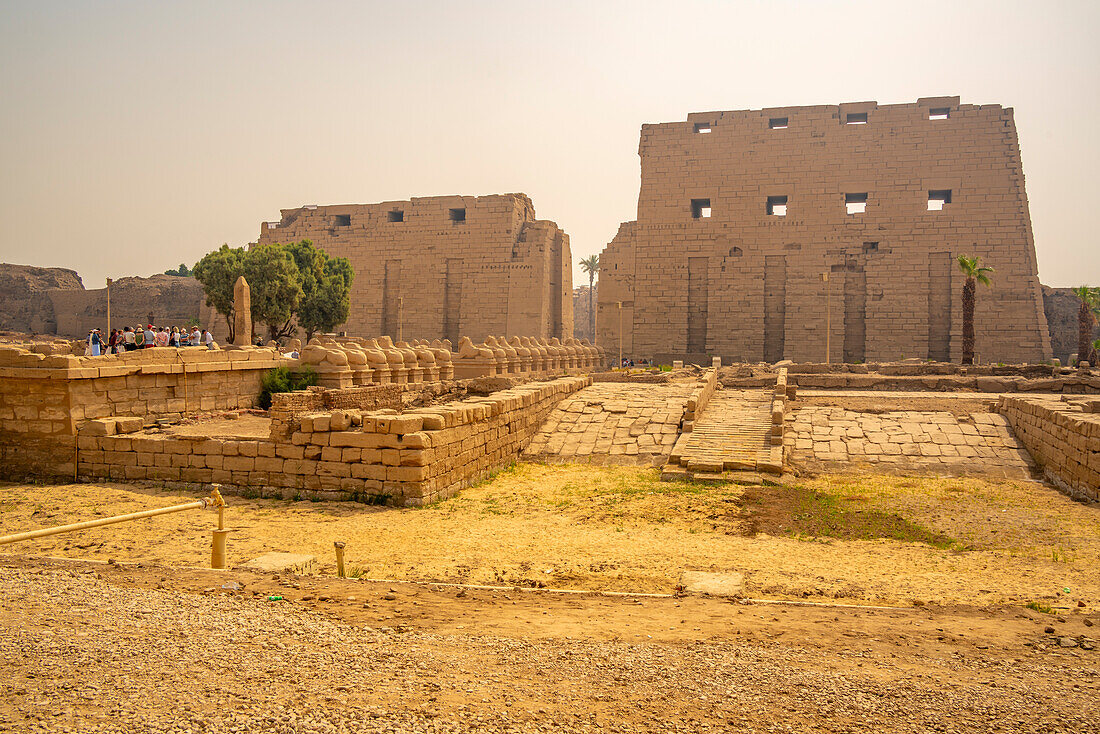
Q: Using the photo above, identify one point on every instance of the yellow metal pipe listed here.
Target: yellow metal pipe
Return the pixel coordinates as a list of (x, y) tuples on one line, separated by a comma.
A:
[(217, 548), (30, 535)]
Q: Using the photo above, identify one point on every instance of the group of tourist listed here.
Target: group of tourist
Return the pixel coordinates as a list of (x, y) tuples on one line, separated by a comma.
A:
[(130, 338)]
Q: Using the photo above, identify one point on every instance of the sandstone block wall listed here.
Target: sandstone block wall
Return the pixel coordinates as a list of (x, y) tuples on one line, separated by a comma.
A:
[(1062, 438), (444, 266), (44, 399), (741, 213), (410, 458)]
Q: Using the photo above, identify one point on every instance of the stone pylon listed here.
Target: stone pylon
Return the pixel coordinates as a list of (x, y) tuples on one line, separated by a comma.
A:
[(242, 313)]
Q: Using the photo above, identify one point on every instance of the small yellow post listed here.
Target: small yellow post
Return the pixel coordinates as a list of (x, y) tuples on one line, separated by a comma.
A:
[(339, 545), (217, 547)]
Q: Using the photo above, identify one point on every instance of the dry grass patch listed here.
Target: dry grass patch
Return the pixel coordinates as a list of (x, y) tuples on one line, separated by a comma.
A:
[(863, 538)]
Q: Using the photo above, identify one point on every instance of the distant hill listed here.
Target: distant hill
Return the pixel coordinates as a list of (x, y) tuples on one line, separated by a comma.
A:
[(54, 301)]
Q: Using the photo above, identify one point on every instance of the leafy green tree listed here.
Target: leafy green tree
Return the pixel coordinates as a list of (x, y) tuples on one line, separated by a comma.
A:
[(292, 285), (327, 302), (218, 272), (975, 274), (276, 287), (591, 266)]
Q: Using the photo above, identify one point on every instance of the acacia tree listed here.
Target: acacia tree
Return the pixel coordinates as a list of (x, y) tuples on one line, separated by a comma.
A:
[(218, 272), (1086, 319), (975, 273), (591, 266)]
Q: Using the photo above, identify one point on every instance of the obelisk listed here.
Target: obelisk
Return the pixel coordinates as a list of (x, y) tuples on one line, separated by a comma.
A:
[(242, 313)]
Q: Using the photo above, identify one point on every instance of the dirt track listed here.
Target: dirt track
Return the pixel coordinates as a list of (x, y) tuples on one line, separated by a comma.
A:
[(93, 647)]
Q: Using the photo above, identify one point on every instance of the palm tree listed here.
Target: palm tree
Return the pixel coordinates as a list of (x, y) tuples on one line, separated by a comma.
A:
[(591, 265), (1090, 303), (975, 274)]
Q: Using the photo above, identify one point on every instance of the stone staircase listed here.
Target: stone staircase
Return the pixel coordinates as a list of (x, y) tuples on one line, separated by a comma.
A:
[(739, 430)]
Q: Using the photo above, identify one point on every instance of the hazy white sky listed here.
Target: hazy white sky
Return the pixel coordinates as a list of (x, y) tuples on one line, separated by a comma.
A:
[(136, 135)]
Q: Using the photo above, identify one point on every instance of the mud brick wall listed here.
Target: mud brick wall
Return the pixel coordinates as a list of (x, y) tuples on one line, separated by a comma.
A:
[(44, 399), (1062, 438), (747, 286), (444, 266), (407, 459)]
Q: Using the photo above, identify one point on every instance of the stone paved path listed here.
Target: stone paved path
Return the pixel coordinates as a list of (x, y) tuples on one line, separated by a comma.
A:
[(731, 434), (614, 423), (978, 443)]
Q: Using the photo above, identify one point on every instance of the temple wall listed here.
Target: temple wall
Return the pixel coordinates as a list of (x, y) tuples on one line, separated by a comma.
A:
[(741, 214), (444, 266)]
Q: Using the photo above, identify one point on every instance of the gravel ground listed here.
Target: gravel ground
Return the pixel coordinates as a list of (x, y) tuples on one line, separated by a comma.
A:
[(96, 648)]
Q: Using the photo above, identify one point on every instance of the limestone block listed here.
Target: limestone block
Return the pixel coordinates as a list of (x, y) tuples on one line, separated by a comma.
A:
[(99, 427)]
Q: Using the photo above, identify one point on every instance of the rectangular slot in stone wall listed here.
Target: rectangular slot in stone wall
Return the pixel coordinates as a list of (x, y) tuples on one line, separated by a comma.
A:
[(391, 291), (939, 306), (855, 313), (775, 307), (698, 288), (452, 300)]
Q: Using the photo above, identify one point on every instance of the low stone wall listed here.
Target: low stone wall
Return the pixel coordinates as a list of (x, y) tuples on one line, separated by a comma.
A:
[(406, 459), (45, 398), (912, 368), (699, 399), (1079, 382), (1062, 438), (287, 408), (645, 378)]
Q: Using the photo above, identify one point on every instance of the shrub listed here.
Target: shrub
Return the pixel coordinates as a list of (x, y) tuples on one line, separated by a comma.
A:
[(281, 379)]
